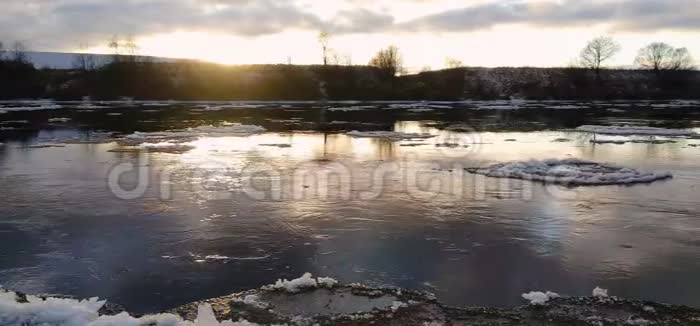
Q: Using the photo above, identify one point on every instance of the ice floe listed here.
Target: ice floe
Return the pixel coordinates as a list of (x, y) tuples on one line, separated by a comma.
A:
[(634, 130), (570, 172), (59, 120), (391, 135), (417, 106), (32, 108), (352, 108), (232, 130)]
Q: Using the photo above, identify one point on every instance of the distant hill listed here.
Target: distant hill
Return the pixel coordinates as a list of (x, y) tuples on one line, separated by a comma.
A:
[(63, 60)]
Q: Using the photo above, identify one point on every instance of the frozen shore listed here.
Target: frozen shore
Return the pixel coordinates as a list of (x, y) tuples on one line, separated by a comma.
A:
[(321, 301)]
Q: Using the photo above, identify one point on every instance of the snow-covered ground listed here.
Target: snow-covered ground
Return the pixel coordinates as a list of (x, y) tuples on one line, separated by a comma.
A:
[(38, 311), (571, 172)]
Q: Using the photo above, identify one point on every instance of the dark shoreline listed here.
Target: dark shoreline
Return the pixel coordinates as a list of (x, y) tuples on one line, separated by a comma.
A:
[(359, 305)]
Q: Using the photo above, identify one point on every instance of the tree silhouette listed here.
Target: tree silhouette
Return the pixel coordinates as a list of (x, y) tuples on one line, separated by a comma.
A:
[(598, 51), (659, 56), (324, 39), (389, 60)]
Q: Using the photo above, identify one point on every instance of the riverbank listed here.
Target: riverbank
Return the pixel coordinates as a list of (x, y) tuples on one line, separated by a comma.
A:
[(309, 301), (192, 80)]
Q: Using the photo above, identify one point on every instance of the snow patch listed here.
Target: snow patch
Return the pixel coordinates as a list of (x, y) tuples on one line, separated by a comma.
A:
[(70, 312), (600, 293), (632, 130), (539, 298), (305, 282), (571, 172)]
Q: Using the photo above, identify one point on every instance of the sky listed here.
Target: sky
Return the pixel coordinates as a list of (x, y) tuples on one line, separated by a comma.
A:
[(487, 33)]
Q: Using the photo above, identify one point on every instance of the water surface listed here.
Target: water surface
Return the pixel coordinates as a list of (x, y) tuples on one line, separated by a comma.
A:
[(233, 213)]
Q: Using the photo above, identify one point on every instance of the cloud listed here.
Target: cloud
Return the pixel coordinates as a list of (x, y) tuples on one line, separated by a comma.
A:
[(626, 15), (68, 23)]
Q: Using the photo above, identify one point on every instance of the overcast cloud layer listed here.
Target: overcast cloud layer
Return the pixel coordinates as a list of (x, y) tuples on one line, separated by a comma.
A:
[(66, 23)]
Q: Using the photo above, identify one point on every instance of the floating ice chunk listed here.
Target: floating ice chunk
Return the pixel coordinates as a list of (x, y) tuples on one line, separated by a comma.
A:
[(3, 111), (232, 130), (59, 120), (632, 130), (32, 108), (570, 172), (352, 108), (600, 293), (89, 106), (420, 110), (539, 298), (421, 107), (392, 135), (235, 130), (498, 107), (567, 107)]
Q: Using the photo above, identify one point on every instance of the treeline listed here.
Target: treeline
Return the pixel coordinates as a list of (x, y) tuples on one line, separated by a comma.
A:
[(191, 80), (664, 72)]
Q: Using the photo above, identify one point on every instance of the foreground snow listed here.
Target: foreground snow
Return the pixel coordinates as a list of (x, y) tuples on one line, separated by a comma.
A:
[(392, 135), (539, 298), (70, 312), (571, 172), (634, 130), (38, 311)]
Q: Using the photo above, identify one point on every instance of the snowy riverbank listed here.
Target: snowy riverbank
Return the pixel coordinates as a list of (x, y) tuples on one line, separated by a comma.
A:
[(321, 301)]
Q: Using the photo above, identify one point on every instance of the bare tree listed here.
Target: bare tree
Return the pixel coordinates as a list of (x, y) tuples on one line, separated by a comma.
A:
[(659, 56), (451, 63), (389, 60), (683, 60), (130, 47), (324, 39), (598, 51), (19, 52), (83, 60), (114, 47)]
